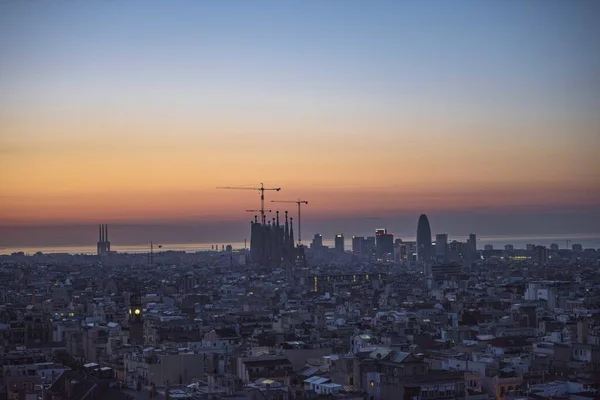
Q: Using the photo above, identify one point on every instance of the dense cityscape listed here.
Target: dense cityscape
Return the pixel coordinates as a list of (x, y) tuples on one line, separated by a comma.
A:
[(300, 200), (382, 319)]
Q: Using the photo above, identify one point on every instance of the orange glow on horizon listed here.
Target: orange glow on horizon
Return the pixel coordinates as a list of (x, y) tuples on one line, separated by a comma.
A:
[(52, 171)]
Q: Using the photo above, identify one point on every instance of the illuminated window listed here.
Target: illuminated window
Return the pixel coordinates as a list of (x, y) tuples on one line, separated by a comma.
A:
[(372, 384)]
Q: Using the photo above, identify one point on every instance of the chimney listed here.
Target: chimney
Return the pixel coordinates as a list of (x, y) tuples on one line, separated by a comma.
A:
[(106, 233), (99, 233)]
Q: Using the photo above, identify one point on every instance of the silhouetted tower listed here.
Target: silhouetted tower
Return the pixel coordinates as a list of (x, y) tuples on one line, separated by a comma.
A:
[(286, 236), (291, 241), (136, 319), (103, 245), (270, 242), (424, 248)]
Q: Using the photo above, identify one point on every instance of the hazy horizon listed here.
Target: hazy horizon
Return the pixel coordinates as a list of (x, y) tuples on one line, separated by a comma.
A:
[(458, 225)]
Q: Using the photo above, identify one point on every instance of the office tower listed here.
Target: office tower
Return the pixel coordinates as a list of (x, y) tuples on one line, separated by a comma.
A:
[(368, 247), (554, 247), (423, 239), (509, 247), (384, 242), (339, 243), (407, 251), (317, 242), (441, 246), (380, 231), (357, 244), (457, 251), (529, 247), (472, 242), (488, 247), (540, 254)]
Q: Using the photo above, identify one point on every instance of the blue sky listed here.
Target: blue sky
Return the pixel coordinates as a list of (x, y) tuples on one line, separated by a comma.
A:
[(444, 56)]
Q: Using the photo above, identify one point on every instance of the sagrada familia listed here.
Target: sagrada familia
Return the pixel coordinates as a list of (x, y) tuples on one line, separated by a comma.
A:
[(272, 244)]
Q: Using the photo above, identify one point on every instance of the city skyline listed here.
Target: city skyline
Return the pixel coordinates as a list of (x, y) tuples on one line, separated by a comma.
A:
[(233, 232), (482, 115)]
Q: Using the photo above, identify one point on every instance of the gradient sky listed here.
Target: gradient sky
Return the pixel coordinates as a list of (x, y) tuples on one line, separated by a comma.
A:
[(134, 111)]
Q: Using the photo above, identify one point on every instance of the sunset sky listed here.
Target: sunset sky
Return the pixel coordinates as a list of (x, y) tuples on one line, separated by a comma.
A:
[(128, 112)]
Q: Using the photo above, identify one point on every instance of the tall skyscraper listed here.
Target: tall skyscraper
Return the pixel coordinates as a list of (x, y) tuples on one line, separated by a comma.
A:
[(423, 239), (472, 243), (368, 247), (384, 242), (441, 246), (339, 243), (357, 244), (317, 242), (540, 254)]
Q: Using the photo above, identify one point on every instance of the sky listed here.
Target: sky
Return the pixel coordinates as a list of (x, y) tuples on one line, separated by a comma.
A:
[(133, 112)]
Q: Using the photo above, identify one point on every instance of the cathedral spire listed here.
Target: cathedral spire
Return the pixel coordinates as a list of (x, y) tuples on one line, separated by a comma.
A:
[(291, 244), (286, 230)]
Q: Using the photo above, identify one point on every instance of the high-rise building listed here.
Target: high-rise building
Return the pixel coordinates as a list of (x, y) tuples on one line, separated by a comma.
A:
[(577, 247), (339, 243), (488, 247), (509, 247), (317, 242), (472, 242), (368, 247), (554, 247), (384, 242), (540, 254), (357, 244), (424, 239), (407, 251), (457, 251), (441, 246)]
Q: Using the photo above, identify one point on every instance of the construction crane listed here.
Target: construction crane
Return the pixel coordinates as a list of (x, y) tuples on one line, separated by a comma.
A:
[(262, 189), (299, 203)]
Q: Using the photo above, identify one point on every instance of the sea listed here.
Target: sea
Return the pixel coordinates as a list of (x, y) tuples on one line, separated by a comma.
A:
[(518, 241)]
